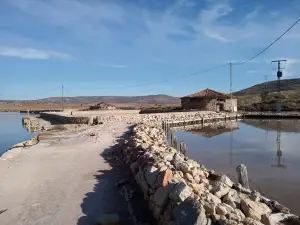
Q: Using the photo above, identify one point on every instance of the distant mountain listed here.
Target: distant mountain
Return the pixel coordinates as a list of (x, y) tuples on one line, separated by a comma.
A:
[(271, 86), (148, 99)]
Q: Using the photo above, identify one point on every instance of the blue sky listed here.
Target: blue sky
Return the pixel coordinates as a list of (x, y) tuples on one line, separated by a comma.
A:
[(100, 47)]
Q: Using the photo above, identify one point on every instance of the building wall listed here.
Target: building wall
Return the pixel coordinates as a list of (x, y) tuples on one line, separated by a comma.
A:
[(209, 104), (189, 103), (199, 103), (231, 105)]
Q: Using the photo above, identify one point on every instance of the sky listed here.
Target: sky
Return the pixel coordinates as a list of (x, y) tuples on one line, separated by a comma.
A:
[(139, 47)]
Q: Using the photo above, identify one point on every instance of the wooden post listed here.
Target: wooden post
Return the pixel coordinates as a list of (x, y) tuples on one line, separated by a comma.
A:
[(242, 175), (184, 149), (175, 142), (181, 146)]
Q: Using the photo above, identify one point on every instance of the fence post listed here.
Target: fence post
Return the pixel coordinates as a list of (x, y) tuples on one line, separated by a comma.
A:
[(242, 175)]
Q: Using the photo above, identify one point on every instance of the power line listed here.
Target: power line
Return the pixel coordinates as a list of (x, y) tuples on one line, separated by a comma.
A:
[(266, 48), (207, 70), (161, 81)]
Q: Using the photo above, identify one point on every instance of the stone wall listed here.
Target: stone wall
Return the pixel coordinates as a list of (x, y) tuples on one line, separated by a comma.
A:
[(194, 103), (180, 191), (64, 119), (209, 104), (231, 105)]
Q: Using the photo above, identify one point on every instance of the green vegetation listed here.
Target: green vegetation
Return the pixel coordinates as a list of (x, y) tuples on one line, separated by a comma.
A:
[(266, 101), (264, 96)]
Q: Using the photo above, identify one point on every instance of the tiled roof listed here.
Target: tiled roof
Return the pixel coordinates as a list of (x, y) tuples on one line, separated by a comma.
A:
[(207, 93)]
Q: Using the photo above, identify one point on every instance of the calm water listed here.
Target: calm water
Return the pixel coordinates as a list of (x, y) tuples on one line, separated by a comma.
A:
[(269, 148), (11, 131)]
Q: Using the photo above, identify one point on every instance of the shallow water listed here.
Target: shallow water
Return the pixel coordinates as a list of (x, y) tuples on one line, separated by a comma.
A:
[(12, 131), (269, 148)]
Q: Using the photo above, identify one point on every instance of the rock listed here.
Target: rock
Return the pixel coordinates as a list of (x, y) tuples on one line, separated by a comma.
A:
[(140, 179), (167, 214), (164, 168), (180, 192), (232, 198), (255, 196), (209, 221), (221, 210), (177, 178), (177, 160), (151, 174), (214, 199), (163, 179), (189, 212), (134, 167), (210, 207), (198, 188), (225, 221), (109, 219), (250, 221), (168, 157), (231, 203), (161, 195), (197, 179), (277, 218), (236, 215), (193, 163), (220, 189), (180, 164), (253, 209), (224, 179), (189, 177), (121, 182)]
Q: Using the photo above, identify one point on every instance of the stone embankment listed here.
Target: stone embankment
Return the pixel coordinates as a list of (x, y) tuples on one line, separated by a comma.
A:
[(132, 117), (33, 124), (180, 191), (272, 114)]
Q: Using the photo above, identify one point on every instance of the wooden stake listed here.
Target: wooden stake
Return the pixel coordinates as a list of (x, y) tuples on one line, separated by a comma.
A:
[(242, 175)]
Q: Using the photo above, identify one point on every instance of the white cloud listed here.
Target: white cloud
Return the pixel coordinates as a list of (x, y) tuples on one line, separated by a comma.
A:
[(290, 67), (253, 14), (31, 53), (209, 21), (216, 35)]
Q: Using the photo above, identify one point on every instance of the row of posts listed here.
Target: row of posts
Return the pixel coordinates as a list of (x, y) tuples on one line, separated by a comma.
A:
[(241, 170), (182, 146)]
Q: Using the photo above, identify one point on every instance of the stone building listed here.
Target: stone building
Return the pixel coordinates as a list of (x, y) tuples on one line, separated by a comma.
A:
[(102, 106), (215, 129), (209, 100)]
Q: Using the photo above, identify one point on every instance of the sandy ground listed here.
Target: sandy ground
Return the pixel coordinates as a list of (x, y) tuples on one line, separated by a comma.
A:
[(63, 181)]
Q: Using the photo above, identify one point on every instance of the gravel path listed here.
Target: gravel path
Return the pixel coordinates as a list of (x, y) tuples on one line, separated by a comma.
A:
[(65, 181)]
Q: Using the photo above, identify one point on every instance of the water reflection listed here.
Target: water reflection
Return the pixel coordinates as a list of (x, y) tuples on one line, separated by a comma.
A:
[(269, 148), (279, 126), (214, 129)]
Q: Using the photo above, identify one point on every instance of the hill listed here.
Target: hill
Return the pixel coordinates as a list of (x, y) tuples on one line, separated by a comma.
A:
[(148, 99), (83, 102), (271, 86)]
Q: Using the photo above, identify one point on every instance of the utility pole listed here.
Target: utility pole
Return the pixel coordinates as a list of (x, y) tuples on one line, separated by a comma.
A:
[(279, 75), (230, 72), (279, 152), (62, 98)]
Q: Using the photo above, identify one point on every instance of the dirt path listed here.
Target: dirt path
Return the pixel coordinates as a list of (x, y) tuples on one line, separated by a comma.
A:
[(66, 181)]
